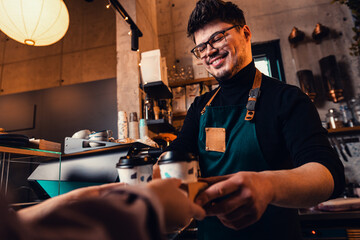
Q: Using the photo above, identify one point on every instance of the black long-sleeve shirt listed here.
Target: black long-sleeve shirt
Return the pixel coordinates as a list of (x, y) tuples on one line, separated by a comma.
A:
[(287, 124)]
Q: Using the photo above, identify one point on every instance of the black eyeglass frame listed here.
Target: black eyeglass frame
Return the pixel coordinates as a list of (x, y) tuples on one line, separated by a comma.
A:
[(210, 39)]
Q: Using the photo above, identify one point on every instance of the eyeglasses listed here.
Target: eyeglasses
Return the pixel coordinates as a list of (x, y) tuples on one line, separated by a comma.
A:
[(214, 41)]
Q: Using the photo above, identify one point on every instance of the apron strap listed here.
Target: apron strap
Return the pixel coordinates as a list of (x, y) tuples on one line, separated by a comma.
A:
[(253, 96), (209, 102)]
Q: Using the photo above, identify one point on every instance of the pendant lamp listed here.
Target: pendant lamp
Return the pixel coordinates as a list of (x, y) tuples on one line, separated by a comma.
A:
[(34, 22)]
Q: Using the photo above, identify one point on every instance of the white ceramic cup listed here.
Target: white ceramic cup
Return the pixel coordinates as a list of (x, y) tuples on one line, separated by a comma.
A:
[(99, 136), (82, 134), (103, 133)]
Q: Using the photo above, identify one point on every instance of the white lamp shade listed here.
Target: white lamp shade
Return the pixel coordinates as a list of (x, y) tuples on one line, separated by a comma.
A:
[(34, 22)]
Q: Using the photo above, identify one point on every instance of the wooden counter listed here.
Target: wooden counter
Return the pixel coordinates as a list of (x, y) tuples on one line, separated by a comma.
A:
[(29, 151)]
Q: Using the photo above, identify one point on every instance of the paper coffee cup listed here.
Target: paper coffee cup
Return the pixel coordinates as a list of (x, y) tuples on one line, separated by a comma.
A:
[(123, 131), (179, 165), (135, 170)]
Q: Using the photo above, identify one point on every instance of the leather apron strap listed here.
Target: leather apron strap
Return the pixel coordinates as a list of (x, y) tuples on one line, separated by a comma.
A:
[(209, 102), (253, 96)]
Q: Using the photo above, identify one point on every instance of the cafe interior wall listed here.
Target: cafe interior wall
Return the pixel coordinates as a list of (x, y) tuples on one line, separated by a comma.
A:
[(86, 53), (272, 20), (54, 80), (96, 49)]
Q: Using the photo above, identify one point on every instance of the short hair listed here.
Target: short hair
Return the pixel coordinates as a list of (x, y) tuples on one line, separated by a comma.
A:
[(207, 11)]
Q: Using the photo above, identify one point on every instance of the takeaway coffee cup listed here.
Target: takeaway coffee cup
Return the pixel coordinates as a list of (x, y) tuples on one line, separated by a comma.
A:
[(181, 165), (135, 170)]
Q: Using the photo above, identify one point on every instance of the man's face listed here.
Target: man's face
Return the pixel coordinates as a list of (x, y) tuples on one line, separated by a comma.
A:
[(233, 54)]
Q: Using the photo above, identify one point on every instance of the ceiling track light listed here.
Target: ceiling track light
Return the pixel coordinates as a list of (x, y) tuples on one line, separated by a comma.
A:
[(135, 31), (109, 4)]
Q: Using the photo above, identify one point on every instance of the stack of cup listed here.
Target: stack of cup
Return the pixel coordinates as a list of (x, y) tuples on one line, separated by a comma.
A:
[(135, 170), (103, 136), (143, 128), (122, 125)]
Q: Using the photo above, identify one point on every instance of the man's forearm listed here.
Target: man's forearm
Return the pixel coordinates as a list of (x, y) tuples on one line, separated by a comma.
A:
[(303, 186)]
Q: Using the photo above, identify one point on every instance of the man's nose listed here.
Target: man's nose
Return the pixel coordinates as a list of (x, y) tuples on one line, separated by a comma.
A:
[(210, 50)]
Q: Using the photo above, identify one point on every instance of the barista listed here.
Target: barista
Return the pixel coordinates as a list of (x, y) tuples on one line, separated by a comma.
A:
[(264, 155)]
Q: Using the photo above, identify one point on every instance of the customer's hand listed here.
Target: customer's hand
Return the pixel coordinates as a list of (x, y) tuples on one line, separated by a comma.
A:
[(238, 200), (178, 209), (38, 211)]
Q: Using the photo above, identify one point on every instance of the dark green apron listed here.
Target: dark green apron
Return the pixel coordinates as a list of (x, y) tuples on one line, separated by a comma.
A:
[(242, 154)]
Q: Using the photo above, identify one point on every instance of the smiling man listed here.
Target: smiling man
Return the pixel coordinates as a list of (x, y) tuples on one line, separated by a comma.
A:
[(260, 142), (223, 62)]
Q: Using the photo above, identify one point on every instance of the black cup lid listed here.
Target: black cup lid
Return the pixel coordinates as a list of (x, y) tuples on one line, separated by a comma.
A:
[(128, 161), (177, 156)]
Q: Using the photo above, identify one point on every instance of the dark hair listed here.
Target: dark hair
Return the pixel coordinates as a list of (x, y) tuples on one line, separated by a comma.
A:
[(210, 10)]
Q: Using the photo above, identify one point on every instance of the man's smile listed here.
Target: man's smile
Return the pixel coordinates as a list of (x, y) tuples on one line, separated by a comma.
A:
[(218, 60)]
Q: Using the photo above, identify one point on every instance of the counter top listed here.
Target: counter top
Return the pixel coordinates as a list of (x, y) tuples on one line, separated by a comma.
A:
[(29, 151), (307, 214), (311, 219)]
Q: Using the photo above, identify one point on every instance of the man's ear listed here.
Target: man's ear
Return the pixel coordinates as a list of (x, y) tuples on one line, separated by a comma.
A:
[(247, 32)]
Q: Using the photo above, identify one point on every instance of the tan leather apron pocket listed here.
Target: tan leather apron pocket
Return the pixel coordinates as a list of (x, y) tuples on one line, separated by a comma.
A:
[(215, 139)]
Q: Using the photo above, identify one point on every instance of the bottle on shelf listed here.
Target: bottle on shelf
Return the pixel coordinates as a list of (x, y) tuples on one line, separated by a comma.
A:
[(148, 108), (347, 117), (355, 109), (156, 109), (333, 118), (169, 114)]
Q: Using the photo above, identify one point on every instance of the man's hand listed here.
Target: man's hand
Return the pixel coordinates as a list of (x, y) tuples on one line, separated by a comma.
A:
[(238, 200)]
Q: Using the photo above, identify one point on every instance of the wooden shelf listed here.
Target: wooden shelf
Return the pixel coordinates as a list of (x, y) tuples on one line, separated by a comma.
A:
[(207, 81), (344, 130)]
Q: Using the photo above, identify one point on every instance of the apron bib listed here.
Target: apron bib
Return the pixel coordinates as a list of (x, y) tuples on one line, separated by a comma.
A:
[(241, 153)]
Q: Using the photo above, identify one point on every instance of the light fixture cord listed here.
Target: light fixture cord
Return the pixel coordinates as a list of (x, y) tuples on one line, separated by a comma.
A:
[(61, 63), (2, 63)]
